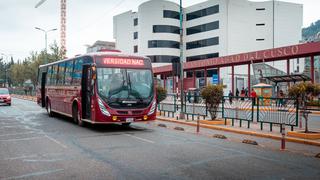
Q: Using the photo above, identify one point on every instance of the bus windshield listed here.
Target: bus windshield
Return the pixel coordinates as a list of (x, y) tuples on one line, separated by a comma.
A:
[(121, 87)]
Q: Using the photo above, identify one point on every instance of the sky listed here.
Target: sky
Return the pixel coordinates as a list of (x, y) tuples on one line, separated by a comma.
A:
[(87, 22)]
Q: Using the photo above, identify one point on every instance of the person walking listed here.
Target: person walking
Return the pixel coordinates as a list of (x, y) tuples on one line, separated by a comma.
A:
[(230, 96), (253, 95), (237, 92), (242, 94)]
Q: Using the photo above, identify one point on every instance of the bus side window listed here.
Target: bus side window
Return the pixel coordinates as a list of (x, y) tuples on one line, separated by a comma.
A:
[(77, 72), (49, 75), (54, 74), (68, 73), (60, 75)]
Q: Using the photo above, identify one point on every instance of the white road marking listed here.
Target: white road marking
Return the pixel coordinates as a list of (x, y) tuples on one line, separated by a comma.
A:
[(40, 173), (20, 139), (3, 127), (142, 139), (61, 144), (20, 157), (13, 134)]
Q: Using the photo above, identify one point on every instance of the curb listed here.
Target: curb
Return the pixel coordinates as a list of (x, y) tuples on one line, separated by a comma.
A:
[(291, 139), (29, 98)]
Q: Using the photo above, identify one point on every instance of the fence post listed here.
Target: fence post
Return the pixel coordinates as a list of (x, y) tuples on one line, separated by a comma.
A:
[(283, 133), (258, 106), (198, 125)]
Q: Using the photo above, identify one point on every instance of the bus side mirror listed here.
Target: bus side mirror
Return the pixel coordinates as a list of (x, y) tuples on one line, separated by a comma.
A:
[(94, 72)]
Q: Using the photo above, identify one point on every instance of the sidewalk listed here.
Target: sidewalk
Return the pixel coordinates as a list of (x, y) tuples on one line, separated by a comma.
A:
[(254, 129), (30, 98)]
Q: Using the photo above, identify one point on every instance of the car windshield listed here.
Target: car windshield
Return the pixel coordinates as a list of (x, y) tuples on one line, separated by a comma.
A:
[(4, 91), (116, 84)]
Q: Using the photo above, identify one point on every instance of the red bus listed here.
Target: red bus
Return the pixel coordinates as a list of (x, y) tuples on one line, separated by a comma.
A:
[(99, 88)]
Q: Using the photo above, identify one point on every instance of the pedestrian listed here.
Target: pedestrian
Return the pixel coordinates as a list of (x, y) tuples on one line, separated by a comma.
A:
[(242, 94), (253, 96), (230, 96), (246, 92), (281, 96), (189, 96), (237, 92)]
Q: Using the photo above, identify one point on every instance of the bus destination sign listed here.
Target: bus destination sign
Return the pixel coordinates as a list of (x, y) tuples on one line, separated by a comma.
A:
[(123, 61)]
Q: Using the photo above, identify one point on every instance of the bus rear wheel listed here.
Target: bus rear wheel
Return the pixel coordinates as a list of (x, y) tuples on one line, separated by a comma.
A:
[(76, 116), (49, 110)]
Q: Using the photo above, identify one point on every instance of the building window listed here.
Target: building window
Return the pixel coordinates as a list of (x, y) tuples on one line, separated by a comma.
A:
[(135, 21), (135, 49), (203, 12), (203, 28), (171, 14), (166, 29), (260, 24), (203, 43), (203, 56), (260, 9), (163, 44), (261, 39), (135, 35), (164, 59)]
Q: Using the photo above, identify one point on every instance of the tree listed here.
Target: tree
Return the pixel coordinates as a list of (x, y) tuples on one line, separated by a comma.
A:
[(212, 94), (161, 94), (28, 69), (304, 92)]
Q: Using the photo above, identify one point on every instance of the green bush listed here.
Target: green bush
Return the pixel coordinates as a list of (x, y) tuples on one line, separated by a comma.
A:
[(161, 94), (212, 94), (304, 92)]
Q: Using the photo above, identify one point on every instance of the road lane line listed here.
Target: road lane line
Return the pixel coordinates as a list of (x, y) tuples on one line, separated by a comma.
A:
[(142, 139), (20, 139), (13, 134), (20, 157), (3, 127), (59, 143), (40, 173)]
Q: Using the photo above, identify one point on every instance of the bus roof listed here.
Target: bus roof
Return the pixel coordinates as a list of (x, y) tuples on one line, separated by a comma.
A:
[(93, 54)]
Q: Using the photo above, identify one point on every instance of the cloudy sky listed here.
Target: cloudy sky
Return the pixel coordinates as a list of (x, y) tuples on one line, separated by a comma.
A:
[(87, 21)]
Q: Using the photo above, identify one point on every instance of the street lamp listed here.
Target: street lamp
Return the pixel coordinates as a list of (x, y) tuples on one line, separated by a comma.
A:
[(6, 69), (181, 61), (45, 32)]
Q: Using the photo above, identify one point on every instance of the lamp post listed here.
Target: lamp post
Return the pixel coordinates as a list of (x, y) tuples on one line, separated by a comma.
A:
[(45, 32), (181, 62), (6, 83)]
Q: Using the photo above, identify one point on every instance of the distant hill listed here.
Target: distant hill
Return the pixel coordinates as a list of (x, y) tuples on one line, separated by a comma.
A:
[(310, 33)]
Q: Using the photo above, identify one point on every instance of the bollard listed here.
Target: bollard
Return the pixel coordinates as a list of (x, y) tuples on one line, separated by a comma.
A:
[(198, 125), (300, 120), (283, 140)]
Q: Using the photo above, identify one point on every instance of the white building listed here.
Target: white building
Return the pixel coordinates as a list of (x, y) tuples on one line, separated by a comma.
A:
[(98, 45), (210, 29)]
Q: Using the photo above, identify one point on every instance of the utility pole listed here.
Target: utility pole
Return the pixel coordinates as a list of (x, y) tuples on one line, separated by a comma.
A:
[(63, 22), (181, 62), (45, 41)]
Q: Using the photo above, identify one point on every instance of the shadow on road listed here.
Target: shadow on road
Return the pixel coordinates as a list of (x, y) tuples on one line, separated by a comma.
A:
[(105, 128)]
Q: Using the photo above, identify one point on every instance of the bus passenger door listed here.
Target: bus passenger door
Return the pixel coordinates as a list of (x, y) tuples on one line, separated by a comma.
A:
[(43, 88), (86, 90)]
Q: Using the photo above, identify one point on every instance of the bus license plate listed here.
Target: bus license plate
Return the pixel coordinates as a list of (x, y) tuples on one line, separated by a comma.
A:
[(129, 119)]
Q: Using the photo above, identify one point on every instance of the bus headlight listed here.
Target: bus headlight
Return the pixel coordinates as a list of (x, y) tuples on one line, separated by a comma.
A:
[(103, 109), (153, 108)]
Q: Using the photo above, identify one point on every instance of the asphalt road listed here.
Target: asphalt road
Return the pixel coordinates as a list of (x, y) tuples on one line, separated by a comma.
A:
[(34, 146)]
